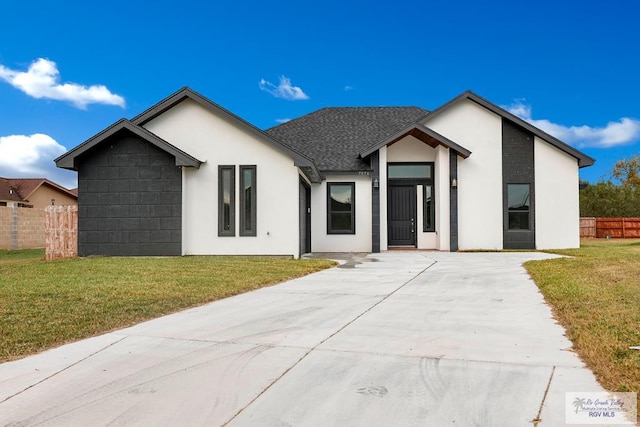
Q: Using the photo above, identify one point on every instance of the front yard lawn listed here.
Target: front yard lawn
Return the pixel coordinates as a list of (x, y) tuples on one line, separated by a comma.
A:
[(595, 295), (47, 303)]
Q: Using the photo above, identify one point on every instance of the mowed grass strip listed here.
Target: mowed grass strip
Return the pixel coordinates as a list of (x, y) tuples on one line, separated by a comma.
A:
[(47, 303), (596, 297)]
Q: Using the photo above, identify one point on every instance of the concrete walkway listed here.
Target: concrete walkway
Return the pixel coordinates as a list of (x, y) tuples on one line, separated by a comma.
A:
[(398, 338)]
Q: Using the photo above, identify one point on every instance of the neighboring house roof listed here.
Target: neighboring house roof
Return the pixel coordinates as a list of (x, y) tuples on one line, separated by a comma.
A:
[(21, 189), (301, 160), (68, 160), (583, 159), (8, 193), (335, 137)]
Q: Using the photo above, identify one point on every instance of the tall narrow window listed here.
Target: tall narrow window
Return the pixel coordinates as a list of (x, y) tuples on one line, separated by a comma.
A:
[(428, 209), (247, 200), (341, 208), (518, 197), (226, 200)]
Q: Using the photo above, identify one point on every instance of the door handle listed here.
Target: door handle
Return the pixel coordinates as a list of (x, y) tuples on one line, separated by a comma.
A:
[(413, 228)]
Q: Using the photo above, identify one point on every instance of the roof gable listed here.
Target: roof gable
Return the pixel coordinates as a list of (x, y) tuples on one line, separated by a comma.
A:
[(68, 160), (301, 160), (424, 134), (583, 159)]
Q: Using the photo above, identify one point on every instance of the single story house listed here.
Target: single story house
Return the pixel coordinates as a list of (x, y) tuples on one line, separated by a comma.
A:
[(35, 193), (188, 177)]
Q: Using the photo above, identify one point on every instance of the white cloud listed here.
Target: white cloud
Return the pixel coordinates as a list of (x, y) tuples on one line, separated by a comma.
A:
[(624, 131), (285, 120), (31, 156), (42, 80), (348, 88), (284, 90)]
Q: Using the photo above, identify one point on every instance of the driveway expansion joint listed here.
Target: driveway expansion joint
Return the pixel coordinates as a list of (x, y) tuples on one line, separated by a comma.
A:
[(77, 362), (433, 262)]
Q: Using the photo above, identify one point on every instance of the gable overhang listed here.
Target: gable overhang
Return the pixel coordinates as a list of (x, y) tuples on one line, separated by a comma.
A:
[(306, 164), (422, 133), (69, 159), (583, 159)]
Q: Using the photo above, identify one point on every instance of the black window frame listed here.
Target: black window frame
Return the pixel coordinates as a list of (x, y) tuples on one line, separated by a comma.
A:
[(431, 215), (252, 230), (232, 201), (330, 229), (520, 211)]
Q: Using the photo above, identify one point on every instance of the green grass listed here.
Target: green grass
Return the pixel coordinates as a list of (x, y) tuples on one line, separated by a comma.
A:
[(595, 295), (21, 255), (47, 303)]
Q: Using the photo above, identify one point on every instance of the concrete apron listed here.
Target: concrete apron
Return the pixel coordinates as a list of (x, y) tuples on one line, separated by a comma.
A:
[(398, 338)]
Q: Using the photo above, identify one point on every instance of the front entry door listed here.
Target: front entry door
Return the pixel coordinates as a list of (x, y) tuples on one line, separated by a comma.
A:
[(402, 215)]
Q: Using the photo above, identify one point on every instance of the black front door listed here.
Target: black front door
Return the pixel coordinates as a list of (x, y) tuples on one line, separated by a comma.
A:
[(402, 215)]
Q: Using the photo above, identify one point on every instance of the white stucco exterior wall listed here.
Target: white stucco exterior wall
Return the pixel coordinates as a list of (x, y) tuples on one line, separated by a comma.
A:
[(358, 242), (557, 206), (410, 149), (216, 141), (479, 176)]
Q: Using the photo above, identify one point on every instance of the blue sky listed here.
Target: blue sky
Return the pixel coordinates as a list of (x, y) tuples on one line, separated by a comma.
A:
[(69, 69)]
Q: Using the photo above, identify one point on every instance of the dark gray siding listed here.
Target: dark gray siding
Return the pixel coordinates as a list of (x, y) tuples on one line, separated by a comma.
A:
[(517, 168), (453, 202), (130, 200), (375, 202), (305, 218)]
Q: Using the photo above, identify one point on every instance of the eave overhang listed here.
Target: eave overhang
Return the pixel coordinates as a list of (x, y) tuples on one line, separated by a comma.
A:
[(422, 133), (69, 159), (306, 164), (583, 159)]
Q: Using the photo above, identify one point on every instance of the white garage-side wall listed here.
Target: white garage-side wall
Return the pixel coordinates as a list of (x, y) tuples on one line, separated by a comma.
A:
[(479, 176), (361, 241), (216, 141), (557, 206)]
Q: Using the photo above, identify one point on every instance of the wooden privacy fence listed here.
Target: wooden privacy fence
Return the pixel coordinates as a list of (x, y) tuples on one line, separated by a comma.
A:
[(587, 227), (61, 232), (621, 228)]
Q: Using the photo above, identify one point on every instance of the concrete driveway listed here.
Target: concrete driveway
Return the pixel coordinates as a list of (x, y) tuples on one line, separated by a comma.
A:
[(398, 338)]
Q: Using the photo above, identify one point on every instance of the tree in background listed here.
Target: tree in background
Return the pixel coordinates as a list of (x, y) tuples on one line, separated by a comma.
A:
[(627, 171), (606, 199)]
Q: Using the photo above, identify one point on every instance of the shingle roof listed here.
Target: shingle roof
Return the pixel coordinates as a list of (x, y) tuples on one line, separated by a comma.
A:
[(8, 192), (335, 137)]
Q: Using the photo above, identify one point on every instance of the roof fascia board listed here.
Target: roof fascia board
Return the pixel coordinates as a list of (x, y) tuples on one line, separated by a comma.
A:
[(171, 101), (463, 152), (583, 159), (68, 160)]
